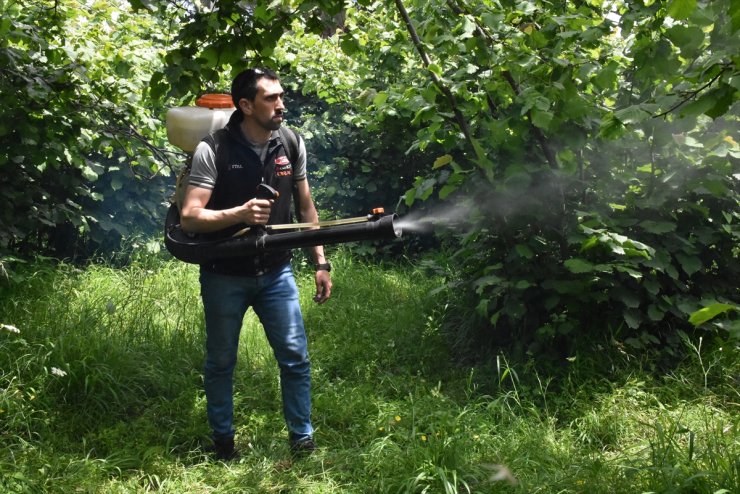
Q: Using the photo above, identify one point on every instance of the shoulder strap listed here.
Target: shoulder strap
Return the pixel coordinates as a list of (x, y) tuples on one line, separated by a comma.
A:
[(210, 139), (290, 138), (214, 140)]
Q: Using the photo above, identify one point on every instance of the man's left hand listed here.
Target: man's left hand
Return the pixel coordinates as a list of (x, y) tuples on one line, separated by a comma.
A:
[(323, 286)]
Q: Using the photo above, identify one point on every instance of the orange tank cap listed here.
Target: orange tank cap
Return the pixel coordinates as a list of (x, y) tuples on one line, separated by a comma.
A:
[(215, 101), (378, 210)]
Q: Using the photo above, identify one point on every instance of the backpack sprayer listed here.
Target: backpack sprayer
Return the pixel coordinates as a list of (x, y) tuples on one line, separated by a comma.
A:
[(186, 126)]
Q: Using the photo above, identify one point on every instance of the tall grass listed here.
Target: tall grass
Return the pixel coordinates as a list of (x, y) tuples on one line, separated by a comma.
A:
[(100, 391)]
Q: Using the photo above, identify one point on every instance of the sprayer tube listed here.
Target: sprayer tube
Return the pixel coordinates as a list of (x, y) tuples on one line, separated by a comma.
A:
[(381, 228), (195, 252)]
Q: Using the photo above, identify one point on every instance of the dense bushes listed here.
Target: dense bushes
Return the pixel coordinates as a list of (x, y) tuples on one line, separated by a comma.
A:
[(587, 148)]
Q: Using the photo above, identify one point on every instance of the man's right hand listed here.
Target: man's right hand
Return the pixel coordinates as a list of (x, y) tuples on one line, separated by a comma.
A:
[(256, 211), (195, 218)]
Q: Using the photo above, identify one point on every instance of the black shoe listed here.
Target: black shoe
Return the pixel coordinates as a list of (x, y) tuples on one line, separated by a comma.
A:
[(303, 447), (223, 449)]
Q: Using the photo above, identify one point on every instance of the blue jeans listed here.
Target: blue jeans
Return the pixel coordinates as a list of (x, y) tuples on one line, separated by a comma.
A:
[(274, 298)]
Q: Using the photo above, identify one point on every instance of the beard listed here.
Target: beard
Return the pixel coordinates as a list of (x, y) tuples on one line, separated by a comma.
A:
[(272, 123)]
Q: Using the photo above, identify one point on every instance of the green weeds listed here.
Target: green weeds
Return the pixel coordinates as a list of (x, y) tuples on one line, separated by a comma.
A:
[(100, 391)]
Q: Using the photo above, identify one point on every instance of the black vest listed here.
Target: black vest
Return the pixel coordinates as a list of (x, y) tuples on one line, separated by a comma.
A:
[(240, 171)]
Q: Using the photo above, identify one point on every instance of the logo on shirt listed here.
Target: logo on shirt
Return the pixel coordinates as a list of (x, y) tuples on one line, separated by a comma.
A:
[(236, 166), (283, 167)]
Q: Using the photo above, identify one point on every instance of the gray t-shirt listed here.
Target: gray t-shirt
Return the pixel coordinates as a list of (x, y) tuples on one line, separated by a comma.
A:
[(204, 173)]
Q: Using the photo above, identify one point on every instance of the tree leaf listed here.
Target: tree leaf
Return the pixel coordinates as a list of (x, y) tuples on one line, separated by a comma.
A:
[(701, 105), (380, 98), (541, 118), (485, 281), (681, 9), (522, 285), (578, 266), (632, 318), (632, 272), (651, 285), (524, 251), (628, 298), (610, 127), (446, 190), (442, 161), (690, 264), (655, 313), (658, 227), (435, 69), (723, 97), (467, 28), (631, 115), (409, 197), (687, 38), (710, 312)]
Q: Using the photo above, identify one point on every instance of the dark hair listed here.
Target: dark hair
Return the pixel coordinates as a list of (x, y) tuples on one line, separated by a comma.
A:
[(245, 83)]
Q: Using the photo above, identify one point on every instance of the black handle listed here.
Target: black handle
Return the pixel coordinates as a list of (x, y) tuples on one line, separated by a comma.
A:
[(264, 191)]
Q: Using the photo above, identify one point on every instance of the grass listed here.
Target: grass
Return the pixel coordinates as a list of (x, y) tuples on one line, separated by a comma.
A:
[(100, 392)]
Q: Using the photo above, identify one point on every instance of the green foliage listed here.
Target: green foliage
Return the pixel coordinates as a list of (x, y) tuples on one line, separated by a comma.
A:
[(74, 133), (356, 164), (589, 146), (600, 155), (227, 34)]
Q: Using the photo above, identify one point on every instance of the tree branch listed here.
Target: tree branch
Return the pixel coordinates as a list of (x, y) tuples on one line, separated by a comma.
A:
[(459, 117), (692, 94), (538, 135)]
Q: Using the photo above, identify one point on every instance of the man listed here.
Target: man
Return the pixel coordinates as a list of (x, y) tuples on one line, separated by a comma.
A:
[(220, 199)]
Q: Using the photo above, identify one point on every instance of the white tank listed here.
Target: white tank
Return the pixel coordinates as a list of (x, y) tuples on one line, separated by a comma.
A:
[(187, 125)]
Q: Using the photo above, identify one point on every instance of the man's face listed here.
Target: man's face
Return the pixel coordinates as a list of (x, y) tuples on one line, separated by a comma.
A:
[(267, 109)]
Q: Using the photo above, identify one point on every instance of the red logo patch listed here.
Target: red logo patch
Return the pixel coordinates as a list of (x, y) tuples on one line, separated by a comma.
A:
[(283, 167)]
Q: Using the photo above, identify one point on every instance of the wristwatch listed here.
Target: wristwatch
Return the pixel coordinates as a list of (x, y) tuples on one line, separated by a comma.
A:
[(323, 267)]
